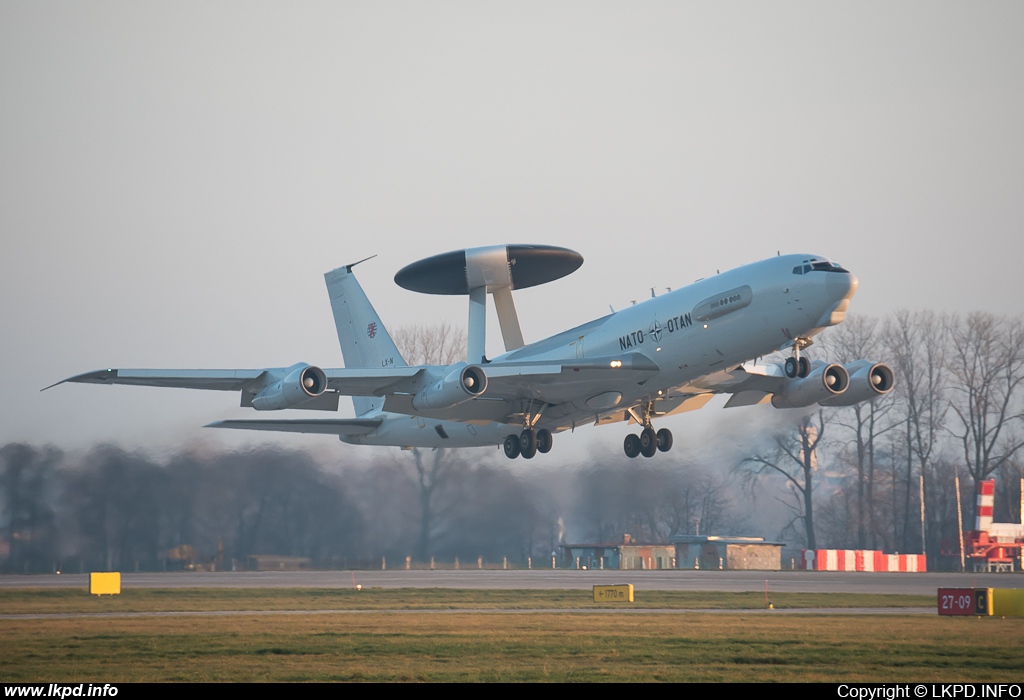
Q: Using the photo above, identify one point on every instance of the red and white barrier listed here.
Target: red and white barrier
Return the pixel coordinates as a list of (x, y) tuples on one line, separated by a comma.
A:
[(861, 560)]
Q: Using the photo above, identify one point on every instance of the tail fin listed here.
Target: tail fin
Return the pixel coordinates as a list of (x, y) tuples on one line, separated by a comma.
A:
[(365, 342)]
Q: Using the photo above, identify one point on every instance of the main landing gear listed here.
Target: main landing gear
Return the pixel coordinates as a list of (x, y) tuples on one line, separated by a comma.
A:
[(648, 442), (528, 443), (798, 366)]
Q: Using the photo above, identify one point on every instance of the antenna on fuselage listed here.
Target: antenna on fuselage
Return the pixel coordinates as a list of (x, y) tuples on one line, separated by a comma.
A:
[(497, 270)]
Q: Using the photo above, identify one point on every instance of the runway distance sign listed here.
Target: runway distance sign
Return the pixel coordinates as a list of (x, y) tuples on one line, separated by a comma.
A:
[(964, 601), (614, 594)]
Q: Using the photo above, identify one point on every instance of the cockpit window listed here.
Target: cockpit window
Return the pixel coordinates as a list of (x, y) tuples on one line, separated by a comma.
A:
[(825, 266), (815, 265)]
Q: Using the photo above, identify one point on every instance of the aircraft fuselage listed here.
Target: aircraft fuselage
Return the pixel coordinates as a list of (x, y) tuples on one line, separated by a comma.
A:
[(713, 324)]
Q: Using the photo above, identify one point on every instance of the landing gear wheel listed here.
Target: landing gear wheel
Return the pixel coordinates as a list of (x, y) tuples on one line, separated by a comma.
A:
[(804, 367), (544, 440), (512, 447), (664, 439), (648, 442), (528, 444), (792, 367), (631, 445)]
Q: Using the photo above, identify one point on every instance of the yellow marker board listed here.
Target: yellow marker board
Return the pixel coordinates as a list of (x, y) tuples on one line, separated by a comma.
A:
[(105, 583), (1007, 602), (614, 594)]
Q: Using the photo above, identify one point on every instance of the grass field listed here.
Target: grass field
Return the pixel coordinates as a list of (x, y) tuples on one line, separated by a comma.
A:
[(446, 635)]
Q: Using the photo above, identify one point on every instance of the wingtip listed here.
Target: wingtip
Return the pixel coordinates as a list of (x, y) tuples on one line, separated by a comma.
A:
[(98, 376)]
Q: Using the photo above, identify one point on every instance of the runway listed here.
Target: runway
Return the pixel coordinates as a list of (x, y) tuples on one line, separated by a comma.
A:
[(664, 580)]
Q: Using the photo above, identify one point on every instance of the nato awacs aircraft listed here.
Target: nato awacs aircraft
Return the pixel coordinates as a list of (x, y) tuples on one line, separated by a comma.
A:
[(670, 354)]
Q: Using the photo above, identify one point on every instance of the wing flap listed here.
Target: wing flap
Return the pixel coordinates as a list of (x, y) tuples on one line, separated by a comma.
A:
[(374, 382), (338, 426), (565, 380), (751, 397)]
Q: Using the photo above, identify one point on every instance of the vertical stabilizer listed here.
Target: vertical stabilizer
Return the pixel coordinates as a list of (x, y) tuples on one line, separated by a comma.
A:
[(365, 342)]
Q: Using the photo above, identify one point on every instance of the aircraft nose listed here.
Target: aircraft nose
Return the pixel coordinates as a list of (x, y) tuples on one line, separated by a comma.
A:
[(842, 285)]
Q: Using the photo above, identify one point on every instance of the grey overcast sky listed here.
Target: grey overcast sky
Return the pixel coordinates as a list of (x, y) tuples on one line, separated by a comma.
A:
[(176, 177)]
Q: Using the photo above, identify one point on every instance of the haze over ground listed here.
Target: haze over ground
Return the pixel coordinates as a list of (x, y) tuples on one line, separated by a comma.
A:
[(175, 180)]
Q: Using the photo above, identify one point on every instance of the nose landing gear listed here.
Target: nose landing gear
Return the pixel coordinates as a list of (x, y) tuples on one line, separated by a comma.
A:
[(798, 366)]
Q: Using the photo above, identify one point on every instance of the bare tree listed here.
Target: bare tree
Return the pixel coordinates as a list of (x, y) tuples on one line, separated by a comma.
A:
[(987, 360), (855, 339), (918, 343), (794, 458), (440, 344), (654, 503)]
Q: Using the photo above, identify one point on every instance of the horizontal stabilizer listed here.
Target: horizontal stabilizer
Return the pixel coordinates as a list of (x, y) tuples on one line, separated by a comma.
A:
[(338, 426)]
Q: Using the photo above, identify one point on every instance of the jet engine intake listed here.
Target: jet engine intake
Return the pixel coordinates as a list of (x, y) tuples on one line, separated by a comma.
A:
[(300, 384), (867, 381), (824, 382), (458, 386)]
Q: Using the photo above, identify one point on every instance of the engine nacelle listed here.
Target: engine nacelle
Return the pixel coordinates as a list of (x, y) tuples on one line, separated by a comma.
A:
[(301, 383), (867, 381), (458, 386), (824, 382)]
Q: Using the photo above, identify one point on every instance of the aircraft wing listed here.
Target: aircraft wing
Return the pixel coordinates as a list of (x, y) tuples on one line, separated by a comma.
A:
[(350, 382), (268, 389), (216, 379), (542, 381), (827, 384), (373, 382), (562, 380), (749, 384)]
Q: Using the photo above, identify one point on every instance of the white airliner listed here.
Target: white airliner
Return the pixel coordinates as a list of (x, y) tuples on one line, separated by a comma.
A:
[(669, 354)]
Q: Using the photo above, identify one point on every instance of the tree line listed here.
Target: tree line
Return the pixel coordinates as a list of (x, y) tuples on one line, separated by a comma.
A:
[(112, 509), (854, 477), (882, 474)]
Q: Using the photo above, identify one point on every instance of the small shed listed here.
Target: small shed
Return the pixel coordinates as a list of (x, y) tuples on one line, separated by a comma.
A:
[(736, 553), (619, 555)]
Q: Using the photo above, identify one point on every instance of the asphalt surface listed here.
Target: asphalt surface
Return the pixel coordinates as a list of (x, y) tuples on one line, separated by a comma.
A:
[(666, 580)]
